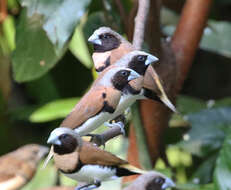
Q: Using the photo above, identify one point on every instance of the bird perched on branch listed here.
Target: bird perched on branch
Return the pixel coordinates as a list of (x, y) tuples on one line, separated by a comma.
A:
[(109, 46), (85, 162), (100, 103), (18, 167)]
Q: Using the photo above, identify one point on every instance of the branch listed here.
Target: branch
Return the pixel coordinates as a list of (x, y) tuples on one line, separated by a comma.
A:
[(188, 33), (3, 10), (184, 44), (140, 23), (106, 136)]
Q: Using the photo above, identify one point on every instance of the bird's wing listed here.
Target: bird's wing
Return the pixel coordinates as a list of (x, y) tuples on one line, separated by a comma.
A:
[(90, 154), (90, 105)]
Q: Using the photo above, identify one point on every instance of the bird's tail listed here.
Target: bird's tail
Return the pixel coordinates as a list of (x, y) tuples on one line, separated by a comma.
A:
[(127, 170)]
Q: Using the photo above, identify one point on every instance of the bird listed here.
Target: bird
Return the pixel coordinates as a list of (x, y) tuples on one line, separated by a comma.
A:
[(18, 167), (109, 46), (85, 162), (100, 103), (150, 180)]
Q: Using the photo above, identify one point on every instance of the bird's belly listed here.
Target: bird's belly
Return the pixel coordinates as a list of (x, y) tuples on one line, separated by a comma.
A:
[(93, 123), (89, 173)]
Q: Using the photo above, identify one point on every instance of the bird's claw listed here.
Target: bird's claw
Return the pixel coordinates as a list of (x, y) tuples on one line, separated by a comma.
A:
[(97, 139), (119, 124)]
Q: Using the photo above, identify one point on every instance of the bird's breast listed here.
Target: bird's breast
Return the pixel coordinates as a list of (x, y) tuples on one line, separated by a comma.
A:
[(89, 173)]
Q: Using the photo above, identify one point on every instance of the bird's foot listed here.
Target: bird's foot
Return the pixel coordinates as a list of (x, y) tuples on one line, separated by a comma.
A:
[(119, 124), (97, 139), (95, 185)]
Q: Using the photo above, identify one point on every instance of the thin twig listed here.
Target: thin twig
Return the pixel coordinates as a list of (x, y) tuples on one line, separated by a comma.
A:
[(140, 23)]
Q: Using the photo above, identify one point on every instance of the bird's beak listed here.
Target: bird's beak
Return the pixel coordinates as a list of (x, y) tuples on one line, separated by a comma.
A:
[(151, 59), (94, 39), (168, 183), (133, 75), (53, 139), (163, 97)]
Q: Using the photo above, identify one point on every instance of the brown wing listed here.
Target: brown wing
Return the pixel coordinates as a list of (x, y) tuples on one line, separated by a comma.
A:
[(149, 82), (91, 154), (91, 104)]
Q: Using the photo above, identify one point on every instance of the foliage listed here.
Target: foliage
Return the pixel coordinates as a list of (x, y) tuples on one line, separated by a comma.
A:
[(44, 43)]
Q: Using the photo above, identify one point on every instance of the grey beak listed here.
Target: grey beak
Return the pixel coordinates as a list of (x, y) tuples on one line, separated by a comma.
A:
[(133, 75), (94, 39), (53, 140), (151, 59)]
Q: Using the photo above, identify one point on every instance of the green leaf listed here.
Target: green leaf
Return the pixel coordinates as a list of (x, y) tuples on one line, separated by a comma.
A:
[(222, 174), (216, 38), (79, 47), (186, 104), (195, 187), (42, 35), (34, 54), (60, 17), (204, 172), (207, 132), (54, 110)]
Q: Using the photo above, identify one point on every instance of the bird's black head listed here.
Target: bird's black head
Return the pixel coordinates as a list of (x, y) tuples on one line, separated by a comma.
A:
[(137, 63), (65, 140), (109, 42), (122, 77), (105, 39), (68, 144)]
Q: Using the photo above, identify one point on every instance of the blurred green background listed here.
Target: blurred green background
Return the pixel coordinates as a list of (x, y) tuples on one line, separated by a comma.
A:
[(46, 66)]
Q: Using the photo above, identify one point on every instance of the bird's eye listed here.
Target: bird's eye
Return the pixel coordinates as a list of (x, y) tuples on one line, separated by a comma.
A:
[(159, 180), (124, 73), (64, 136), (106, 36), (141, 58)]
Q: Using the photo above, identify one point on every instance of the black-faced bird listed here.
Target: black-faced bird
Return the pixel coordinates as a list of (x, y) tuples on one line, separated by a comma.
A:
[(100, 103), (109, 46), (85, 162), (18, 167)]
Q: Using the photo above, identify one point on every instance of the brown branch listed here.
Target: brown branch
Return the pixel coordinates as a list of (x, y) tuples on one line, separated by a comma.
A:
[(140, 23), (106, 136), (188, 34), (155, 117), (3, 10)]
